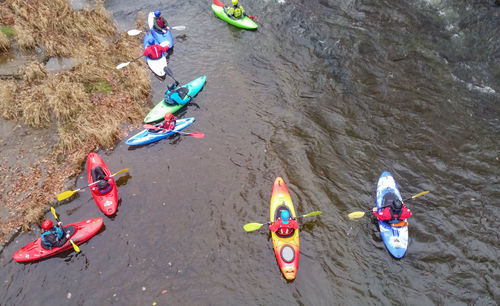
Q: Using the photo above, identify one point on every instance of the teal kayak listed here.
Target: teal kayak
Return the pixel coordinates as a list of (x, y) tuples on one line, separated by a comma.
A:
[(159, 111), (244, 22)]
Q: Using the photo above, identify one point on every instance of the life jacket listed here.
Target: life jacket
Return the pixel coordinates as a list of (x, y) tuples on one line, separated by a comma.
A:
[(284, 231), (52, 237), (170, 124), (160, 22), (237, 11)]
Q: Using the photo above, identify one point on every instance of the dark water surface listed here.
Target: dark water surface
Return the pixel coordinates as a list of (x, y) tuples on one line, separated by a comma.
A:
[(327, 94)]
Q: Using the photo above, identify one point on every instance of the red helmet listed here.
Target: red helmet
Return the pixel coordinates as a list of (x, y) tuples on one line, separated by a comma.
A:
[(47, 224), (168, 116)]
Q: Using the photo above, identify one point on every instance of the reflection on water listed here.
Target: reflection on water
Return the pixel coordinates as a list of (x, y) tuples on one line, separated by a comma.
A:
[(328, 95)]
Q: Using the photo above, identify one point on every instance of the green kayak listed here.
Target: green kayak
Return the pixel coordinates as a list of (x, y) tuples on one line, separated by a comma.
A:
[(244, 23), (160, 109)]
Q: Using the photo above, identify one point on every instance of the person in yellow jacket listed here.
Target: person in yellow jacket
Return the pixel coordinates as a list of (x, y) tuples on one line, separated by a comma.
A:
[(236, 11)]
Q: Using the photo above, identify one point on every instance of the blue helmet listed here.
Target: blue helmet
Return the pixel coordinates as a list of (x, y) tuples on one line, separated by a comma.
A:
[(151, 41), (284, 216), (157, 14)]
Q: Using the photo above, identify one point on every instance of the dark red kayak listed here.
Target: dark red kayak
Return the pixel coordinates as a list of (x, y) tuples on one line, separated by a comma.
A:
[(107, 202), (82, 231)]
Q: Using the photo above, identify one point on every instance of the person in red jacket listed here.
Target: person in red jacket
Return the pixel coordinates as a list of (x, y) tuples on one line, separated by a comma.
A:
[(284, 225), (154, 51), (169, 122), (395, 212)]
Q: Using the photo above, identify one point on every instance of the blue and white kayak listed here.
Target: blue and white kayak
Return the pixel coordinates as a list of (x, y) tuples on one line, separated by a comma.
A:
[(163, 39), (394, 235), (156, 65), (149, 136)]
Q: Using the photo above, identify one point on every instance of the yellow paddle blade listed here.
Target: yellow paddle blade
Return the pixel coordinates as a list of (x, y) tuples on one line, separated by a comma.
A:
[(121, 171), (65, 195), (314, 213), (77, 249), (356, 215), (252, 226), (420, 194), (53, 210)]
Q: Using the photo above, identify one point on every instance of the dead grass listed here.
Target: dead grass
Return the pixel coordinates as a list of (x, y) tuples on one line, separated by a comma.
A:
[(9, 108), (34, 73), (4, 42), (87, 104)]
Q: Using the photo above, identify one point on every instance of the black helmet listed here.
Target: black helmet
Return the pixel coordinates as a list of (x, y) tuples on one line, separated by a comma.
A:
[(397, 204)]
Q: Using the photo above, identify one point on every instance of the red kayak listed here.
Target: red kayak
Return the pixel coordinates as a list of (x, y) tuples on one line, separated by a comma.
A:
[(82, 231), (107, 201)]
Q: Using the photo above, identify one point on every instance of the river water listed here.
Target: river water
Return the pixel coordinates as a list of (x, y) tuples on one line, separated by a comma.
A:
[(327, 94)]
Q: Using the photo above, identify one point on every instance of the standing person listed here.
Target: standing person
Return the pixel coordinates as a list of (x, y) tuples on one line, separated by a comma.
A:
[(53, 236), (160, 23), (284, 225), (396, 212), (154, 51), (236, 11)]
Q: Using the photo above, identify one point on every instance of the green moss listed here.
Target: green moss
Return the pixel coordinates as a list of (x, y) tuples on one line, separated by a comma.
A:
[(101, 86), (8, 31)]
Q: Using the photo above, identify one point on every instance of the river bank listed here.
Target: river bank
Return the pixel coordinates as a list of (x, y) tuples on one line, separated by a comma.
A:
[(53, 118)]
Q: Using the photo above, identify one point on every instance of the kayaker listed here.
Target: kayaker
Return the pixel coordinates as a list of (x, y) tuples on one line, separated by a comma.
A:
[(175, 94), (103, 181), (396, 212), (236, 11), (153, 50), (160, 23), (53, 236), (284, 224), (169, 122)]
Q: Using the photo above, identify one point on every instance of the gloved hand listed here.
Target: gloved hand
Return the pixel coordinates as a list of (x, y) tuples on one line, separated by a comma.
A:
[(374, 209)]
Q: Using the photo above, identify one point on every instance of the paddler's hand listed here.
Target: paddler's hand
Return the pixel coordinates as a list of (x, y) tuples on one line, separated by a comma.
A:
[(374, 210)]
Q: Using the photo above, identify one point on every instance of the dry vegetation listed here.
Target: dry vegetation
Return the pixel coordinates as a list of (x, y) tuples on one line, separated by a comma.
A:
[(85, 105)]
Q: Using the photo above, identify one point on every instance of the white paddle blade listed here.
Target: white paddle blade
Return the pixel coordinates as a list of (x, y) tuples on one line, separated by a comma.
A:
[(120, 66), (134, 32), (179, 28)]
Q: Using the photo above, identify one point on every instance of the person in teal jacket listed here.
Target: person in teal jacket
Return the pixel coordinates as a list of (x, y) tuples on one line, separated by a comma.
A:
[(53, 236)]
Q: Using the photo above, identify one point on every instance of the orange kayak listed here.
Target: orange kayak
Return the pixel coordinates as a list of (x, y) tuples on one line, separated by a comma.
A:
[(286, 248)]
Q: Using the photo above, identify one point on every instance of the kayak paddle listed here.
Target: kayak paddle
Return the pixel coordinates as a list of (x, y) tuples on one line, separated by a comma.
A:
[(218, 3), (69, 193), (169, 72), (135, 32), (249, 227), (361, 214), (194, 134), (77, 249), (122, 65)]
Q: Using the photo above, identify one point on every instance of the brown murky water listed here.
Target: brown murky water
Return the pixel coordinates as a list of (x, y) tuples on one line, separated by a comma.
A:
[(328, 95)]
